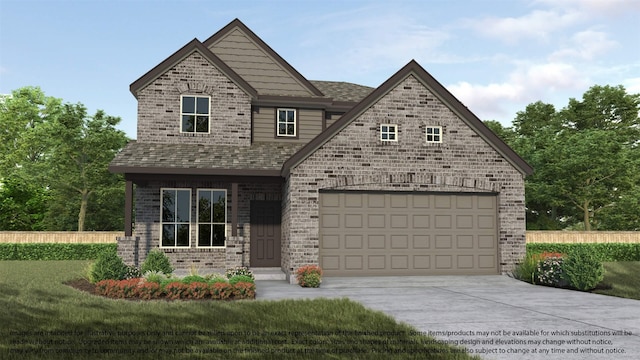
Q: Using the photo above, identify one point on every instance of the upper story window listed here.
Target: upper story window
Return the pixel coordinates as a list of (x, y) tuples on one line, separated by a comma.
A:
[(434, 134), (286, 122), (388, 132), (195, 114), (175, 219)]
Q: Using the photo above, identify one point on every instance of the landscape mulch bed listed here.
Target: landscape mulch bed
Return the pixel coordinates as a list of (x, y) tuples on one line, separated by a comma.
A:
[(82, 285)]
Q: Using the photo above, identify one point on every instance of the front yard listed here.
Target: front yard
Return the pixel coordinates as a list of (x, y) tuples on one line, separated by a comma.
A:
[(43, 318), (621, 279)]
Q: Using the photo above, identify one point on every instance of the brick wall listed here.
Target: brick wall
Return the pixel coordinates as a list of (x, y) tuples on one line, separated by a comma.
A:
[(356, 159), (159, 105), (147, 226)]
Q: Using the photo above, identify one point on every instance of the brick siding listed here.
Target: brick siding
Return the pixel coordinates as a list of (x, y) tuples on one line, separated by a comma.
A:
[(356, 159)]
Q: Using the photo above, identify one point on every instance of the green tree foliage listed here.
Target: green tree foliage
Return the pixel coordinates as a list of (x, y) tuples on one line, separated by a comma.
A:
[(586, 159), (53, 165)]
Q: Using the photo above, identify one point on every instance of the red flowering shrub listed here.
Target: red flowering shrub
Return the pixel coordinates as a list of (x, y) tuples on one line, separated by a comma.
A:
[(119, 289), (309, 276), (176, 290), (198, 290), (221, 291), (244, 290), (149, 290)]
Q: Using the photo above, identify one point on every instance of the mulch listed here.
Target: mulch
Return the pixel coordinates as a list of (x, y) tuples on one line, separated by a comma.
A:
[(82, 285)]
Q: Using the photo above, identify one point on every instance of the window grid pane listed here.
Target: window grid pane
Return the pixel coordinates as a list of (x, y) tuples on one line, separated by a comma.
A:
[(434, 134), (176, 217), (286, 122), (212, 222), (195, 114), (388, 132)]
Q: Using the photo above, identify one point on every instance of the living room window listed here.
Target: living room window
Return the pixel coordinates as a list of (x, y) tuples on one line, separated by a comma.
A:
[(175, 219), (195, 114), (388, 132), (434, 134), (286, 122), (212, 217)]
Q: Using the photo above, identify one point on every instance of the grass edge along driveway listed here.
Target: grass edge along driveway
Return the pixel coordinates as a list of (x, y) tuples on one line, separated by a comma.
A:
[(43, 318)]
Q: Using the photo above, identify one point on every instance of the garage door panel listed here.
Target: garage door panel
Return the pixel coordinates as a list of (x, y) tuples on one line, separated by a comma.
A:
[(408, 234)]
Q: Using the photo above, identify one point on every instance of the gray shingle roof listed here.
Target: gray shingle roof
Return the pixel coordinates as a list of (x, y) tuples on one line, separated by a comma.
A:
[(342, 91), (149, 156)]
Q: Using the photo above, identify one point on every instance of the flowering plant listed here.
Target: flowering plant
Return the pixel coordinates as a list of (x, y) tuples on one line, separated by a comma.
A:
[(549, 270), (309, 276)]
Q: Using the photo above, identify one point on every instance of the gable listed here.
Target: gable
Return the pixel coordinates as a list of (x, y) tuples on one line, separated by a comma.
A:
[(257, 63), (441, 99)]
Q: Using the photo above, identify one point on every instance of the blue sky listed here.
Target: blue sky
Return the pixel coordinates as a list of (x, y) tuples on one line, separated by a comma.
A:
[(496, 56)]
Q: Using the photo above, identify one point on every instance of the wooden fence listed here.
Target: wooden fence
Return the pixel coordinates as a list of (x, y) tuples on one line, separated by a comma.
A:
[(83, 237), (110, 236), (571, 237)]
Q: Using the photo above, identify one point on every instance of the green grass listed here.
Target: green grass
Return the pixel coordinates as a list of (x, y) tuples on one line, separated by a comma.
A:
[(624, 279), (43, 318)]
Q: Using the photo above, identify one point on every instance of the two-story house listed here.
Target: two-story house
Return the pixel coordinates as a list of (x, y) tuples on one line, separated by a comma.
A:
[(242, 161)]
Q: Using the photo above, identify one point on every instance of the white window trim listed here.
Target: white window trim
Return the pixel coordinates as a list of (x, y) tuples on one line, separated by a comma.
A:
[(395, 132), (295, 122), (162, 223), (426, 135), (226, 199), (195, 114)]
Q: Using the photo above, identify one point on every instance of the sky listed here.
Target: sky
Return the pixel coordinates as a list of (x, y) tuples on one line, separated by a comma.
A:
[(495, 56)]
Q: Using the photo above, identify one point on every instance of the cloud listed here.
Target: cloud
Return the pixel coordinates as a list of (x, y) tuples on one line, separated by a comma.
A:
[(586, 45), (596, 8), (632, 85), (537, 25), (524, 85)]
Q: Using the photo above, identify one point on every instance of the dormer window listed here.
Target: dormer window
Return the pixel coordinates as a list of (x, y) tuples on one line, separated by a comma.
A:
[(388, 132), (286, 123), (195, 114)]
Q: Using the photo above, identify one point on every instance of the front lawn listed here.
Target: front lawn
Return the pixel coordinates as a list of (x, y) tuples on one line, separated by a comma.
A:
[(624, 279), (43, 318)]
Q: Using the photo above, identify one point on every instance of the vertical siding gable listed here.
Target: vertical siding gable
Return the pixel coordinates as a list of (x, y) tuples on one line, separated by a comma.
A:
[(159, 105), (256, 66), (264, 125)]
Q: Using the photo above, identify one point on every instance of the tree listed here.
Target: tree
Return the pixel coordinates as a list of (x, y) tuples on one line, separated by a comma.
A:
[(81, 158)]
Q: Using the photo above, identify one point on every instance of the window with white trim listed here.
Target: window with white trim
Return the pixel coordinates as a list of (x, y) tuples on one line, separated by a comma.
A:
[(388, 132), (194, 111), (212, 217), (175, 218), (286, 122), (434, 134)]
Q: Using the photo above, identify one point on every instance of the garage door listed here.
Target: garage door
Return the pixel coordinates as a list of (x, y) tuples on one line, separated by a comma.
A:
[(369, 234)]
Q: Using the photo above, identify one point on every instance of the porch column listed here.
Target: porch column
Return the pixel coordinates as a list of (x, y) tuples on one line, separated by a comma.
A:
[(128, 208), (234, 209)]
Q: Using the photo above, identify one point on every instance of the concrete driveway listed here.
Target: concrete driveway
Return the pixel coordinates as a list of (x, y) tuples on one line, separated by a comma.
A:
[(496, 317)]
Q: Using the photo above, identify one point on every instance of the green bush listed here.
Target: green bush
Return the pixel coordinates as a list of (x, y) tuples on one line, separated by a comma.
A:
[(583, 269), (216, 278), (157, 261), (52, 251), (309, 276), (155, 276), (240, 278), (526, 269), (132, 272), (108, 266), (605, 252), (192, 279), (312, 280), (550, 271)]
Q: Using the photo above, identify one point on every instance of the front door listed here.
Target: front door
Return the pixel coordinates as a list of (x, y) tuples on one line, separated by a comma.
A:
[(265, 233)]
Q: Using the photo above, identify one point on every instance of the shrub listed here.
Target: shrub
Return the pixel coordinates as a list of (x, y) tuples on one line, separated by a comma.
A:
[(119, 289), (193, 278), (526, 269), (309, 276), (221, 291), (157, 261), (155, 276), (198, 290), (244, 290), (240, 278), (549, 270), (216, 278), (176, 290), (132, 272), (583, 269), (51, 251), (149, 290), (241, 270), (603, 251), (108, 266)]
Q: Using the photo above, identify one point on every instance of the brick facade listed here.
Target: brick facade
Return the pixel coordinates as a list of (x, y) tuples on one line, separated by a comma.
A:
[(147, 227), (159, 105), (356, 159)]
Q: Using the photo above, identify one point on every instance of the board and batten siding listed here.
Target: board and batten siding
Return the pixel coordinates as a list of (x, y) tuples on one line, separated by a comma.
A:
[(256, 66), (264, 125)]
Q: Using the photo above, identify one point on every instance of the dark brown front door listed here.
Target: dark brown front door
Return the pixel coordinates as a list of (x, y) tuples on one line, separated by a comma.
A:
[(265, 234)]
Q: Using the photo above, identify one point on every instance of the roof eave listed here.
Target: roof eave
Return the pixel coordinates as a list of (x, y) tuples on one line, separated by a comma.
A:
[(192, 171)]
